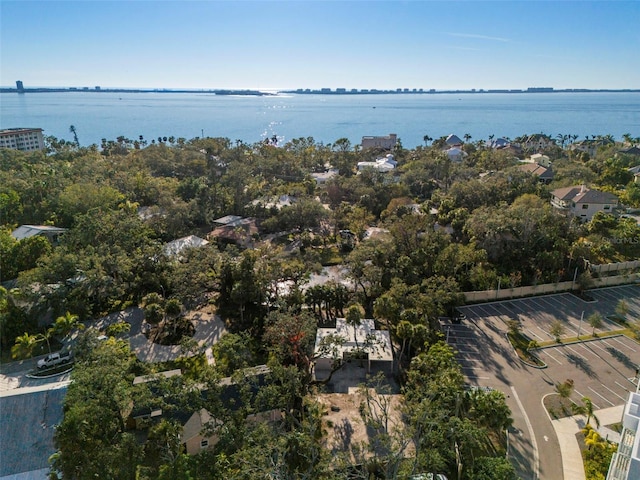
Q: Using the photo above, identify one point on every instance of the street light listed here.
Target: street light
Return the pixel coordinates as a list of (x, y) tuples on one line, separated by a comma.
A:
[(580, 324)]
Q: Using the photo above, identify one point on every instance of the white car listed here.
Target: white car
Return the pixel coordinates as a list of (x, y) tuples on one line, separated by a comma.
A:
[(54, 359)]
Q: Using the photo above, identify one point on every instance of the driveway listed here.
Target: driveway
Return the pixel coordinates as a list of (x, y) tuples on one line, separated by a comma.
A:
[(209, 328)]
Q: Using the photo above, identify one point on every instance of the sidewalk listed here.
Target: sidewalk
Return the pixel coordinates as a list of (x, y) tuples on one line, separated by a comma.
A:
[(566, 429)]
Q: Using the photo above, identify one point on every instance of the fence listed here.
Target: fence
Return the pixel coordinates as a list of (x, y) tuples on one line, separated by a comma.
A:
[(545, 288), (615, 267)]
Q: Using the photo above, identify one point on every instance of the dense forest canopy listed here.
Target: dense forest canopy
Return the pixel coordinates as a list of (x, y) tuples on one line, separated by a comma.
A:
[(409, 242)]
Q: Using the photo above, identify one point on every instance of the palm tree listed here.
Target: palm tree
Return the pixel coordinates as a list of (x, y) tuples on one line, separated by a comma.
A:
[(427, 139), (588, 411), (65, 324), (72, 129), (24, 346), (467, 137)]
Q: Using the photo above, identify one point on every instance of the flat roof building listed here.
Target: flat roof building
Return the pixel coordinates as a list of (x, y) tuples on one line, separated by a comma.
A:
[(25, 139), (625, 464)]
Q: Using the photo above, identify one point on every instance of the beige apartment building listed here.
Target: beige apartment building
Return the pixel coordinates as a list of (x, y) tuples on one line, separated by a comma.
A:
[(25, 139)]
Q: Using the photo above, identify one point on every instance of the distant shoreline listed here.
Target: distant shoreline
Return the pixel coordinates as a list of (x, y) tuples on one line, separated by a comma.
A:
[(131, 90), (324, 91)]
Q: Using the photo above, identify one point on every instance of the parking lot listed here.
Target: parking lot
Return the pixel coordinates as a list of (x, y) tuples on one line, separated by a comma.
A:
[(602, 369)]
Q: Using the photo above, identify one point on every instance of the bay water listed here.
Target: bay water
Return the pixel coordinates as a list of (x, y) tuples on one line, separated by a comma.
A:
[(326, 118)]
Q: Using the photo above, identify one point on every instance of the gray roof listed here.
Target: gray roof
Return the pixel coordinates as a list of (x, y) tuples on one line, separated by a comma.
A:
[(453, 140), (26, 231), (581, 194), (227, 220), (27, 426)]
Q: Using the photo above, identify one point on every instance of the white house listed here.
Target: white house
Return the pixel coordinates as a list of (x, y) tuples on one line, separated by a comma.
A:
[(384, 164), (363, 339), (456, 154), (174, 247), (582, 202)]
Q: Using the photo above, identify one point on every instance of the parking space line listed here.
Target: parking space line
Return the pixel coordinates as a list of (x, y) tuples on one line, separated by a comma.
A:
[(615, 339), (533, 333), (582, 396), (621, 398), (623, 387), (603, 398), (547, 353), (578, 354), (545, 332)]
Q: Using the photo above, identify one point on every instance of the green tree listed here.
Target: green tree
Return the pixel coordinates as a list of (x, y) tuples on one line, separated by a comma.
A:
[(595, 320), (557, 329), (92, 440), (24, 346), (66, 323), (622, 309)]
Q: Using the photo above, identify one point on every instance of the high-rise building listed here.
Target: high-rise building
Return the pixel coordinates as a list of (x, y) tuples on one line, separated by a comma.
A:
[(25, 139), (19, 86)]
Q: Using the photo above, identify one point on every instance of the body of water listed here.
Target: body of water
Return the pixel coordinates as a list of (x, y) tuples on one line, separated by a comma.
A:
[(326, 118)]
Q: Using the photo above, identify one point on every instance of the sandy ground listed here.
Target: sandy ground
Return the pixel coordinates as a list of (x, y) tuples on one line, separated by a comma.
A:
[(345, 427)]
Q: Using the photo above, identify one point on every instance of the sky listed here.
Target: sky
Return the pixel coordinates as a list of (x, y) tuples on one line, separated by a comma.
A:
[(271, 45)]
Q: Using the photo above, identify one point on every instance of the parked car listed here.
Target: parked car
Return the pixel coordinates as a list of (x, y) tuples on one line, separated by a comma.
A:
[(55, 359), (429, 476), (457, 316)]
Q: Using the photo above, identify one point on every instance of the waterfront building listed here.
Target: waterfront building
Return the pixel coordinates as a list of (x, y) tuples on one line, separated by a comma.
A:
[(386, 142), (625, 463), (25, 139)]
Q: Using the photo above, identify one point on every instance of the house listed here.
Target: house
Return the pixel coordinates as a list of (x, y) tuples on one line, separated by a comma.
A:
[(540, 159), (198, 424), (456, 154), (238, 231), (544, 174), (498, 143), (635, 150), (173, 248), (387, 142), (625, 463), (537, 142), (384, 164), (592, 145), (583, 202), (27, 422), (322, 177), (51, 233), (277, 202), (453, 141), (355, 341)]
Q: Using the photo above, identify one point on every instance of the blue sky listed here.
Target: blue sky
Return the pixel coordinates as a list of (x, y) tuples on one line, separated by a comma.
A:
[(314, 44)]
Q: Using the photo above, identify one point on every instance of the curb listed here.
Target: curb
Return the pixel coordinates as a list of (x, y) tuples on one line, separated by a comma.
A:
[(574, 342), (44, 377), (539, 367)]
